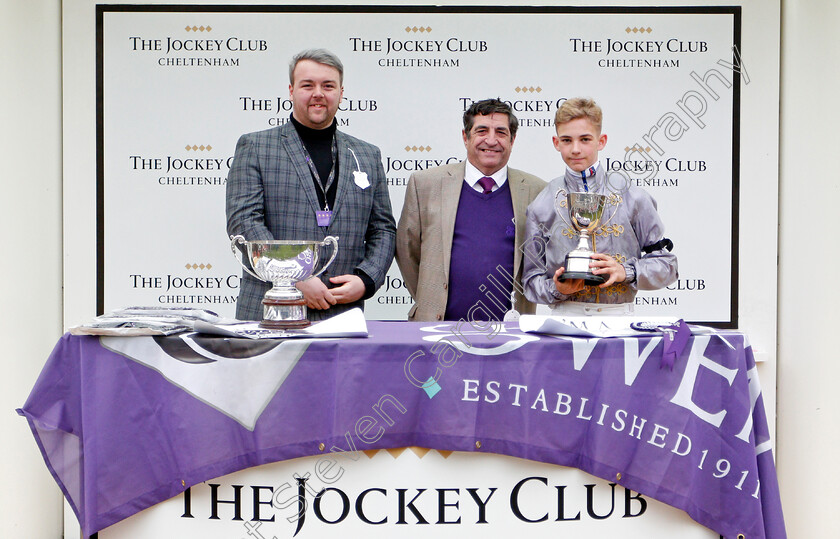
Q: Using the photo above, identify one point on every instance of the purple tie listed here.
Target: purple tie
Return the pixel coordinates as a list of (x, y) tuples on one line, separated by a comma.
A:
[(487, 184)]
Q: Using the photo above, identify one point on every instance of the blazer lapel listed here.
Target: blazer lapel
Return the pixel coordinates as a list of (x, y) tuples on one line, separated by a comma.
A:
[(450, 195), (294, 149), (346, 166), (519, 198)]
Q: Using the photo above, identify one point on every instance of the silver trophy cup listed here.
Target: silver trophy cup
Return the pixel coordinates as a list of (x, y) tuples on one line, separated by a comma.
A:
[(283, 263), (585, 211)]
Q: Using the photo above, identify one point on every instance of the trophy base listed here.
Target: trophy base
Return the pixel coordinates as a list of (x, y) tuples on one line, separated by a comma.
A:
[(285, 324), (577, 267), (284, 314), (588, 278)]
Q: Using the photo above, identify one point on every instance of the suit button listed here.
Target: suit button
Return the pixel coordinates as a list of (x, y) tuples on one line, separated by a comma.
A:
[(445, 286), (439, 317)]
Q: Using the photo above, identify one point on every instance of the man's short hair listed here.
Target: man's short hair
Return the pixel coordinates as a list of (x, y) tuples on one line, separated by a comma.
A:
[(322, 56), (579, 107), (487, 107)]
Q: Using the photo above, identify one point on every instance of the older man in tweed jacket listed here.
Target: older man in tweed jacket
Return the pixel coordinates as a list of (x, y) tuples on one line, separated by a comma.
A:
[(306, 180)]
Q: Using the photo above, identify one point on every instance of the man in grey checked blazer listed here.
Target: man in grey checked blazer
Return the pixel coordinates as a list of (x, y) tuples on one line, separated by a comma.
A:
[(274, 190)]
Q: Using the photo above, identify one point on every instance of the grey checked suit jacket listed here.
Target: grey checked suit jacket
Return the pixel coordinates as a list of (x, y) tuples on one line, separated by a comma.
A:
[(427, 224), (271, 195)]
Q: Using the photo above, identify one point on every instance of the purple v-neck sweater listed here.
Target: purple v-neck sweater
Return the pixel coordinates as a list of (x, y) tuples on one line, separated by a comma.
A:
[(483, 239)]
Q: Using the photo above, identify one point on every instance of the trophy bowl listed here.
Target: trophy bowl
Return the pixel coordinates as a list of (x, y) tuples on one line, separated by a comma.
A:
[(585, 213), (283, 263)]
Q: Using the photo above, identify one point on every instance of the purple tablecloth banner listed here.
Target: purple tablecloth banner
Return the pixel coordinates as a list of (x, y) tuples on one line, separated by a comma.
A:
[(125, 423)]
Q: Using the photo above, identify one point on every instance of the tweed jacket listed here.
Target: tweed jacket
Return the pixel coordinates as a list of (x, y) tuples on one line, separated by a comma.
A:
[(271, 195), (426, 228)]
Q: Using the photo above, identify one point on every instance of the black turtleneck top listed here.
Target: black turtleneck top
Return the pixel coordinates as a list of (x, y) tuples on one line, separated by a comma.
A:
[(318, 142)]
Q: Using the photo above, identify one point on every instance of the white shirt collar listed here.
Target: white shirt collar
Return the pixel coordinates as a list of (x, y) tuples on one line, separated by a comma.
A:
[(472, 175)]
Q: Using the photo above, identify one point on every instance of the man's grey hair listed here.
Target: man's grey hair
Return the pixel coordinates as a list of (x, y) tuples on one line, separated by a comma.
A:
[(321, 56)]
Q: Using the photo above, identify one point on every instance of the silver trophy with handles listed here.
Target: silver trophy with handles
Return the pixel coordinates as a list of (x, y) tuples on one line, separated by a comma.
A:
[(283, 263), (585, 211)]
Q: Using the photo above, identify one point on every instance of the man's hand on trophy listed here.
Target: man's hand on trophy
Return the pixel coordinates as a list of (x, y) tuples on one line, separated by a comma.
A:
[(568, 287), (608, 266), (352, 288), (316, 294)]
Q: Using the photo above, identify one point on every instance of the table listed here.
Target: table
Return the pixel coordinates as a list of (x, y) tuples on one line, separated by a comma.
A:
[(124, 423)]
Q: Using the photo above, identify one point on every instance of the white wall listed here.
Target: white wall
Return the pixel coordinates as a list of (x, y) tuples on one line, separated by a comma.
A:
[(30, 263), (809, 364)]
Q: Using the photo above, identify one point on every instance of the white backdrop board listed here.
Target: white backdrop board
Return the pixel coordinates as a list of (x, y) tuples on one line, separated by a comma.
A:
[(409, 492), (178, 85)]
